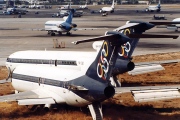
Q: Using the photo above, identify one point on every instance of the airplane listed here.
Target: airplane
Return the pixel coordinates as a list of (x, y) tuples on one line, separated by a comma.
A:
[(34, 6), (78, 58), (172, 26), (45, 85), (63, 26), (83, 6), (68, 6), (12, 11), (107, 9), (153, 8)]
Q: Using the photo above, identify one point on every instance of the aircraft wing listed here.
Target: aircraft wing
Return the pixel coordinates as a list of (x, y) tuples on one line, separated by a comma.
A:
[(4, 81), (75, 29), (34, 97), (37, 29), (146, 67), (151, 93)]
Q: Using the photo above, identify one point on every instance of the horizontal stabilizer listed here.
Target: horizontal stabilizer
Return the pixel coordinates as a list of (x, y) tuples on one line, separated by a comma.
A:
[(152, 36), (152, 95), (129, 25), (164, 23), (36, 101), (106, 37), (145, 69)]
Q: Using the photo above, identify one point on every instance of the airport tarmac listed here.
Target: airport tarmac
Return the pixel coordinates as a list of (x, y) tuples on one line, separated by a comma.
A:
[(16, 33)]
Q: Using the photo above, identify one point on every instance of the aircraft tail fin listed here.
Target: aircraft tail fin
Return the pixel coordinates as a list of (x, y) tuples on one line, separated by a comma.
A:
[(131, 27), (134, 30), (112, 6), (104, 62), (70, 16), (159, 4)]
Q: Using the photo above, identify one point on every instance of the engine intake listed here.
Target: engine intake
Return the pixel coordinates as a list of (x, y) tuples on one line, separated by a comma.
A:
[(122, 66), (109, 91), (73, 25)]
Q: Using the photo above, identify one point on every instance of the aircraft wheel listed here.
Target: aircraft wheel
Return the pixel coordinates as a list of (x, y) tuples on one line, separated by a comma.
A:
[(68, 33), (52, 34), (60, 33)]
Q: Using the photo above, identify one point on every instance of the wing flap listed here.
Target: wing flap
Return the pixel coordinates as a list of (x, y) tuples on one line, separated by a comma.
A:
[(146, 69), (36, 101), (152, 95)]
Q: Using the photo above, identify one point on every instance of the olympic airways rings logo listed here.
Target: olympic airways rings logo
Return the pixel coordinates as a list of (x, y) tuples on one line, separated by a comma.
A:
[(125, 49), (103, 65)]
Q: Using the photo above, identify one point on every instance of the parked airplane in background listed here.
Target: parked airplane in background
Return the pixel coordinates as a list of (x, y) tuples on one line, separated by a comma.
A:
[(173, 26), (34, 6), (63, 26), (68, 6), (12, 11), (107, 9), (83, 6), (153, 8), (45, 85)]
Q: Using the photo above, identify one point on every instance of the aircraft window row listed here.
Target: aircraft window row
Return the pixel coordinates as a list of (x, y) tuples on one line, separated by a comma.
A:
[(60, 62), (24, 77), (52, 82), (40, 61), (35, 61), (38, 80), (50, 24)]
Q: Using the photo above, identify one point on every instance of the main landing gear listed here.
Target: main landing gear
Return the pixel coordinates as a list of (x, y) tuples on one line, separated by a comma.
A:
[(68, 33)]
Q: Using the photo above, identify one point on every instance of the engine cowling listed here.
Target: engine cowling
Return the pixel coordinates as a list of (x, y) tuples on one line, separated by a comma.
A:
[(73, 25), (122, 66)]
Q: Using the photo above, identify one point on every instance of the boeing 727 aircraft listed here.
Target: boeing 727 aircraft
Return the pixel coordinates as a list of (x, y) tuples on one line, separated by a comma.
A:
[(107, 9), (63, 26), (84, 6), (153, 8)]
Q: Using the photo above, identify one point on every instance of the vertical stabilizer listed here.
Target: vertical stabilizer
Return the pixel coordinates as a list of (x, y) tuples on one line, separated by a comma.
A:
[(70, 16), (103, 64), (126, 50), (112, 4), (159, 4)]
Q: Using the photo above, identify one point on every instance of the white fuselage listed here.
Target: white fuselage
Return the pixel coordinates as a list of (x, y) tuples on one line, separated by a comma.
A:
[(176, 20), (54, 26), (52, 85), (174, 27), (51, 58), (107, 9), (153, 8)]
